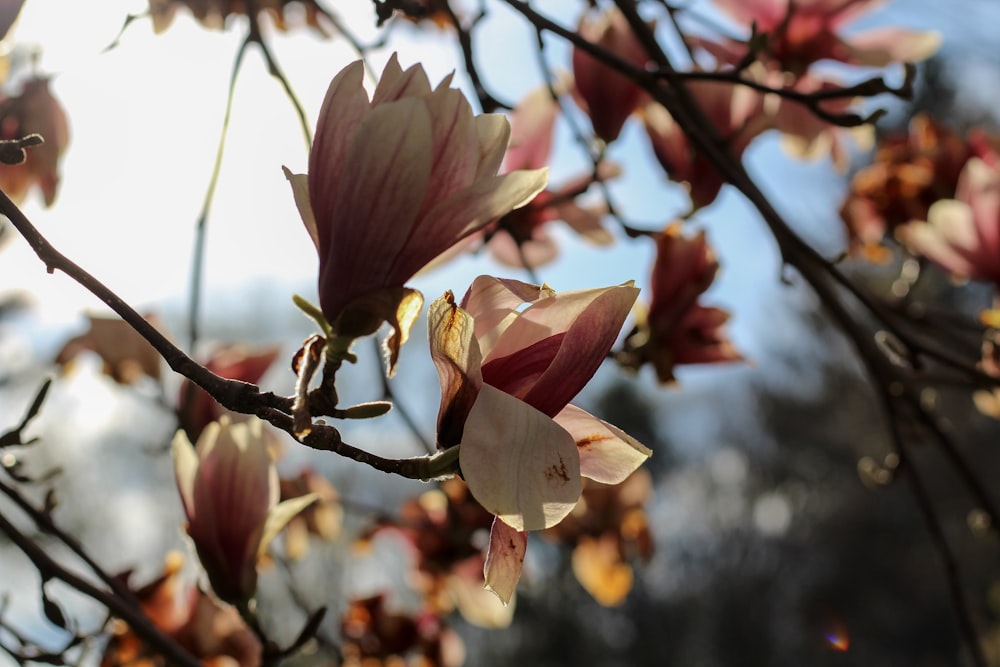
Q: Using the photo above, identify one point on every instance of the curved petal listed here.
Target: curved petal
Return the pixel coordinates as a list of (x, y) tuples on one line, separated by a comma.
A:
[(185, 469), (456, 356), (607, 454), (390, 152), (397, 83), (504, 560), (493, 303), (493, 132), (519, 464), (300, 192)]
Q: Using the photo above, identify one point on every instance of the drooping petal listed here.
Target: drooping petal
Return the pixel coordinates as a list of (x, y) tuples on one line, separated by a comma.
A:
[(456, 356), (504, 560), (607, 454), (519, 464), (402, 320)]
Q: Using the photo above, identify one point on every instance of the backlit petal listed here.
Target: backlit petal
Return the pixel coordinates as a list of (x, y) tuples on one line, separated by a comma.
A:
[(504, 560), (519, 464), (607, 454)]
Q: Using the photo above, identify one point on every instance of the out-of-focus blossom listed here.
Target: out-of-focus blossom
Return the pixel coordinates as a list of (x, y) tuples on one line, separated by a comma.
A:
[(507, 375), (127, 355), (196, 408), (324, 518), (987, 401), (677, 329), (801, 32), (910, 171), (213, 14), (607, 96), (229, 489), (212, 632), (962, 235), (519, 238), (606, 529), (448, 531), (34, 111), (9, 11), (736, 113), (374, 636), (393, 182)]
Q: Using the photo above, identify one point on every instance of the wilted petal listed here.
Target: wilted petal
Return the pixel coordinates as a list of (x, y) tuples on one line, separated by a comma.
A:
[(457, 358), (607, 454), (519, 464), (504, 560)]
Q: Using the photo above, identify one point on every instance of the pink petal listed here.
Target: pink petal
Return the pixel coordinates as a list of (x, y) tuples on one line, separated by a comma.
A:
[(493, 131), (532, 122), (519, 464), (396, 83), (300, 192), (607, 454), (493, 303), (948, 229), (882, 46), (390, 151), (504, 560)]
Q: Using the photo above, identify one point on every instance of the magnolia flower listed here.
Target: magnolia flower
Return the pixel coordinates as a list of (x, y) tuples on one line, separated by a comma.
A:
[(524, 239), (962, 235), (607, 96), (736, 112), (393, 182), (801, 32), (677, 329), (507, 375), (229, 489)]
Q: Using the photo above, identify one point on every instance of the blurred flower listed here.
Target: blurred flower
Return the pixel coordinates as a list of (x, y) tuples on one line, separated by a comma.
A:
[(126, 354), (393, 182), (212, 632), (196, 408), (607, 96), (519, 238), (212, 14), (987, 401), (374, 636), (801, 32), (677, 329), (910, 171), (324, 518), (34, 111), (736, 113), (962, 235), (607, 528), (507, 375), (229, 489)]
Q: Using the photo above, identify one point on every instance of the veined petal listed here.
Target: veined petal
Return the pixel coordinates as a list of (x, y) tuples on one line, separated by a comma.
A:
[(453, 133), (504, 560), (468, 211), (519, 464), (607, 454), (556, 314), (493, 303), (300, 191), (185, 469), (397, 83), (390, 152), (345, 104), (493, 131), (456, 356)]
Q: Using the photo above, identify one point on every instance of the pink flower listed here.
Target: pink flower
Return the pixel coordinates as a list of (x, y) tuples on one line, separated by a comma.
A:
[(801, 32), (520, 237), (962, 235), (393, 182), (507, 375), (736, 112), (607, 96), (229, 489), (677, 329)]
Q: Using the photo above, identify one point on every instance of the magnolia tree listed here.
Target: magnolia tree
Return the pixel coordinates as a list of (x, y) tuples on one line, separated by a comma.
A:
[(406, 174)]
